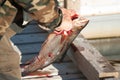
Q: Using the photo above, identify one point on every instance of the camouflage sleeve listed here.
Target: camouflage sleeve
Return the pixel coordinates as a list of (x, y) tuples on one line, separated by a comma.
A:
[(7, 14), (46, 12)]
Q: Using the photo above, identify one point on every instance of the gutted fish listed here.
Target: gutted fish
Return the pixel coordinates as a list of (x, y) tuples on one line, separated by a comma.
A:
[(55, 46)]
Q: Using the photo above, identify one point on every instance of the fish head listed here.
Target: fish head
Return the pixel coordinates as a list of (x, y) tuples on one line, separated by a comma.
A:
[(80, 22)]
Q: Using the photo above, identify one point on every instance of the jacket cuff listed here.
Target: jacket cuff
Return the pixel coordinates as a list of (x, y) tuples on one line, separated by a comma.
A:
[(55, 23)]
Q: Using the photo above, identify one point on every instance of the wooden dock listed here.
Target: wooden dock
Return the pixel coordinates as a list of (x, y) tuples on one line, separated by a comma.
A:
[(29, 43)]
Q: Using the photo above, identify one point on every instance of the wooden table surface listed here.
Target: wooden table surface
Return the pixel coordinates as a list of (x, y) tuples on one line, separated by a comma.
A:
[(29, 43)]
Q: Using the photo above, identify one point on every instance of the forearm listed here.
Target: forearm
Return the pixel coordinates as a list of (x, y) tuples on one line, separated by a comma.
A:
[(45, 12), (7, 14)]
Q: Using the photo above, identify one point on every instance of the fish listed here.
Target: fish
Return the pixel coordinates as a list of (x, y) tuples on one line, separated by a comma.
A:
[(55, 45)]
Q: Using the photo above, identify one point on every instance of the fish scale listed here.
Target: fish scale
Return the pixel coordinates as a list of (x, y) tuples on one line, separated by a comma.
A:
[(55, 46)]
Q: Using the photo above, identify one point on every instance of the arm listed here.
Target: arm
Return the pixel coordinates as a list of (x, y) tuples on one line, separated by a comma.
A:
[(45, 12), (7, 13), (48, 14)]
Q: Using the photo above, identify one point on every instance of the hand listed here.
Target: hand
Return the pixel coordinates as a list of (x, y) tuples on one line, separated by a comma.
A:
[(67, 20)]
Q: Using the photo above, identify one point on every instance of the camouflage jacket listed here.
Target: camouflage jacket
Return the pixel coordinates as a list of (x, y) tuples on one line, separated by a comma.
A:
[(45, 12)]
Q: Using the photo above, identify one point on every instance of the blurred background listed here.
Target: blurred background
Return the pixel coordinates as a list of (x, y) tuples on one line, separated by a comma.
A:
[(103, 30)]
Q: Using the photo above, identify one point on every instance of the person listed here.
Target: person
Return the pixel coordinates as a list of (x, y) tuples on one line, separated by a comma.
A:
[(46, 12)]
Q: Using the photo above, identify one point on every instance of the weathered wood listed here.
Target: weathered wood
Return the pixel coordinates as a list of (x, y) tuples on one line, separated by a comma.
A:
[(30, 48), (29, 44), (31, 38), (107, 46), (34, 30), (93, 7), (104, 26), (57, 71), (60, 77), (110, 79), (32, 27), (113, 57), (93, 65)]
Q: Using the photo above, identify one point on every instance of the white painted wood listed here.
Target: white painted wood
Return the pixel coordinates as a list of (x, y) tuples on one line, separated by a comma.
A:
[(57, 71), (102, 27), (99, 7), (94, 7)]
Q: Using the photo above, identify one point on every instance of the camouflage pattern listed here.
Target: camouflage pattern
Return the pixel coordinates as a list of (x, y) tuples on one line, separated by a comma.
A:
[(7, 14), (45, 12)]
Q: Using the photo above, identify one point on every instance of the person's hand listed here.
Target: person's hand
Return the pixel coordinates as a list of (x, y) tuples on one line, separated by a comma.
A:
[(67, 20)]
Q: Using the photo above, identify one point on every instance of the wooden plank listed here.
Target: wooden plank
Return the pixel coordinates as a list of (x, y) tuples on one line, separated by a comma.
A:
[(113, 57), (30, 48), (93, 7), (29, 38), (58, 71), (116, 64), (60, 77), (93, 65), (104, 26), (110, 79), (27, 42), (107, 46), (25, 58), (32, 27)]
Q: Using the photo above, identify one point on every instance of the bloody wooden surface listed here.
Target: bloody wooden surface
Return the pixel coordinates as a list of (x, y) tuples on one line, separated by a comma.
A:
[(29, 45), (93, 65)]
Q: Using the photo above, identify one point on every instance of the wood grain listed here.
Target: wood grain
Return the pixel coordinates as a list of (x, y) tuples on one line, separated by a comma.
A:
[(93, 65)]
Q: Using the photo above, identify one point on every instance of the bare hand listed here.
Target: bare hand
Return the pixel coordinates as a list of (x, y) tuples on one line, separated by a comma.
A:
[(67, 20)]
